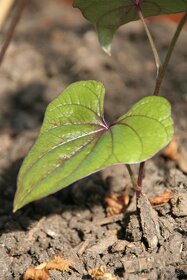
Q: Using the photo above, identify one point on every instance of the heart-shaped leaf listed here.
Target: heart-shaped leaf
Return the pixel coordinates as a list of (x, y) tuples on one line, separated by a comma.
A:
[(109, 15), (75, 140)]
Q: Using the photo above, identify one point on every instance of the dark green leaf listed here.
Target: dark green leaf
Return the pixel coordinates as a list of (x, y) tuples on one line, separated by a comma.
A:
[(109, 15)]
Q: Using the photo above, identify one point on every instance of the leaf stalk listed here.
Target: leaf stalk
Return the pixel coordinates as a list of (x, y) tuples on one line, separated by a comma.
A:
[(151, 41), (163, 67), (131, 174)]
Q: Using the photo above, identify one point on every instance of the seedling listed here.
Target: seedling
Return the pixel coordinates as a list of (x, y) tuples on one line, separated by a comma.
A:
[(75, 139)]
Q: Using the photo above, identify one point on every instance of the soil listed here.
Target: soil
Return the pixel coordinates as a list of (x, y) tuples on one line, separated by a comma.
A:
[(52, 47)]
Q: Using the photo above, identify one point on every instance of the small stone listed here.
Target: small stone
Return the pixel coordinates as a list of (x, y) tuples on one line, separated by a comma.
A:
[(167, 225), (175, 246), (179, 204), (103, 245), (136, 265), (119, 246)]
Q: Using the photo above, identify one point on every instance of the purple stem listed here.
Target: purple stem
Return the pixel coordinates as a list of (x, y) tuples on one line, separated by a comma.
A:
[(139, 181), (137, 3)]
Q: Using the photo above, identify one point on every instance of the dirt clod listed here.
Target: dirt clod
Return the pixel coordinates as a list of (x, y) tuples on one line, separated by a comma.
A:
[(149, 222)]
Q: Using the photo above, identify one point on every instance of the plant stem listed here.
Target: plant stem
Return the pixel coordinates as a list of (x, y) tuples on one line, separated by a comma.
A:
[(162, 70), (131, 174), (11, 29), (137, 4), (139, 181), (5, 7), (152, 44)]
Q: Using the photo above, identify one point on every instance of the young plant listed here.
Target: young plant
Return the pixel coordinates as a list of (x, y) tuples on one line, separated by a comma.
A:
[(75, 140)]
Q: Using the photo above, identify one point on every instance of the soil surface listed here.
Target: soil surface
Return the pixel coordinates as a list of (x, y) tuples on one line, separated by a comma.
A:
[(52, 47)]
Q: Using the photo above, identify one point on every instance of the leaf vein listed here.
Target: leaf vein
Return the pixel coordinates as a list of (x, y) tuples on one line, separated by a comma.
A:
[(56, 147)]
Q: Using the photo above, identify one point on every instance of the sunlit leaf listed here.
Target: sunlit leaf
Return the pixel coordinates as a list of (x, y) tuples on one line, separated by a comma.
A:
[(109, 15), (75, 140)]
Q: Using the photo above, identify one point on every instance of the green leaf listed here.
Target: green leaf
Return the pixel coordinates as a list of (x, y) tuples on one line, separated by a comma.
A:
[(75, 140), (109, 15)]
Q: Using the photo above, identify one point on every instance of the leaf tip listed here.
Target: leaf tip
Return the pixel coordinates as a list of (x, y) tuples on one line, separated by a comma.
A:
[(107, 49), (15, 207), (17, 204)]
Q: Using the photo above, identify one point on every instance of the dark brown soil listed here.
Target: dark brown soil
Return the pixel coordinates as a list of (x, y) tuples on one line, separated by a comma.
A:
[(54, 46)]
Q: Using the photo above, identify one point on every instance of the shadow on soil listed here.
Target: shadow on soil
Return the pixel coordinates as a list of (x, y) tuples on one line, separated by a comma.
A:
[(85, 193)]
